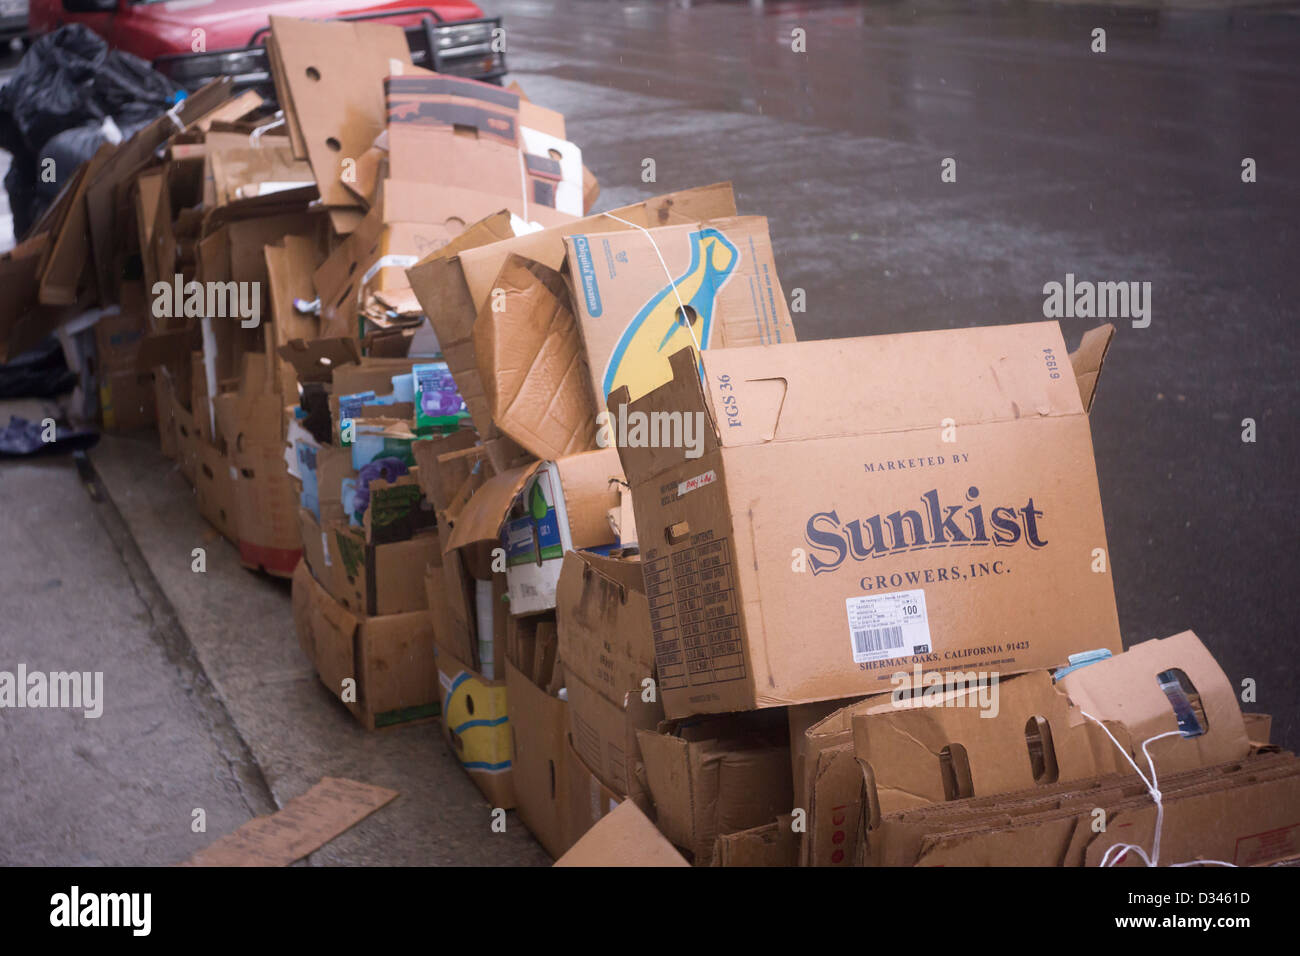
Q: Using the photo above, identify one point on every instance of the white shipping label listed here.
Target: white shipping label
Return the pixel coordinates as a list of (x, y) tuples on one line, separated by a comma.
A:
[(885, 626)]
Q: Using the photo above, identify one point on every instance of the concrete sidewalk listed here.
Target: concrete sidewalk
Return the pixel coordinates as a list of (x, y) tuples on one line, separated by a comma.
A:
[(240, 625), (207, 700)]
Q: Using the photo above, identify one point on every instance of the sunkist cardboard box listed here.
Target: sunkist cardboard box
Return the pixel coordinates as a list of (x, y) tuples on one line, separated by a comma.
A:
[(937, 508)]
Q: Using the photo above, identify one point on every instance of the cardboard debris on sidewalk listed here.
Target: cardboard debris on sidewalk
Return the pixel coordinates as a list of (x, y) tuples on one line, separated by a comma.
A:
[(680, 588), (305, 824)]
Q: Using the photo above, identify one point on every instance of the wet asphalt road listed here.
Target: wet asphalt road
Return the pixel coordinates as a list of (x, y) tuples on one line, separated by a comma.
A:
[(1123, 165)]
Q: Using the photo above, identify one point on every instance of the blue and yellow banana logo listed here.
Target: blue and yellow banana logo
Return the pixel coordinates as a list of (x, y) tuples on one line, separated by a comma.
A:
[(640, 359), (475, 714)]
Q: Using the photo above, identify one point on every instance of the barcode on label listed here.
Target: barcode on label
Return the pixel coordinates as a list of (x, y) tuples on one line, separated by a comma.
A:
[(877, 639), (887, 626)]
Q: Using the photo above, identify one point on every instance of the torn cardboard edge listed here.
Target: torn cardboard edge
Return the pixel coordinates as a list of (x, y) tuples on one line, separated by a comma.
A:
[(302, 826)]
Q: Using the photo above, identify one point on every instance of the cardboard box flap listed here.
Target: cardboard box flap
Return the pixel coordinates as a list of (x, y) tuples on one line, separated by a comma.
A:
[(920, 380), (709, 786), (1087, 359), (590, 603), (938, 746), (682, 398), (334, 73), (316, 360), (623, 837), (669, 775), (590, 481), (486, 510), (438, 482), (772, 844), (532, 364), (481, 264), (440, 287), (1137, 691)]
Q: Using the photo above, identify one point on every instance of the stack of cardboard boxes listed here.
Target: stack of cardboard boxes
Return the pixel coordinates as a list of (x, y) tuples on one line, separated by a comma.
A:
[(679, 587)]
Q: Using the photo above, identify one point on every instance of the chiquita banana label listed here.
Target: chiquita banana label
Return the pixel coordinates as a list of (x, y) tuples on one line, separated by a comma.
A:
[(662, 327), (475, 714)]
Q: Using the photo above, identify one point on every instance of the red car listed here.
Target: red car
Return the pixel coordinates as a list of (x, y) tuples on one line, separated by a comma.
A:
[(194, 40)]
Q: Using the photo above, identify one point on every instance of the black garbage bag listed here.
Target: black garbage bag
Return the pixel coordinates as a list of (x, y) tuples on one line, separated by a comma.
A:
[(70, 79), (22, 439), (38, 373)]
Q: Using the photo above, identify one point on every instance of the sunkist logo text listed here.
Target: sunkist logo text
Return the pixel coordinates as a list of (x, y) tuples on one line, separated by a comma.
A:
[(934, 525)]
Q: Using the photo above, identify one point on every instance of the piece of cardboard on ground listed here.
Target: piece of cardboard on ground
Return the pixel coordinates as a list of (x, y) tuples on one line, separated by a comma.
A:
[(303, 825), (1015, 495), (624, 837)]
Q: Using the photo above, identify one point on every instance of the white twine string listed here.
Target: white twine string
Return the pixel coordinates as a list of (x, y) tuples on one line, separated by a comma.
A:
[(681, 307), (1156, 796), (255, 137)]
